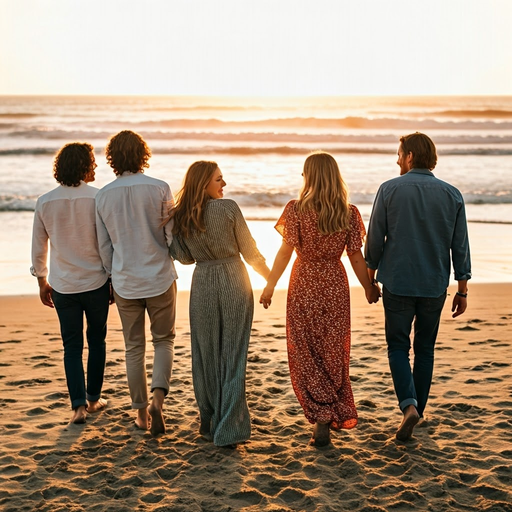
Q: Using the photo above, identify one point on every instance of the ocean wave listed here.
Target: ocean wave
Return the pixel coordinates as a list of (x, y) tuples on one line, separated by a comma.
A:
[(19, 115), (387, 124), (352, 122), (17, 203), (28, 151), (484, 113), (278, 150), (271, 200)]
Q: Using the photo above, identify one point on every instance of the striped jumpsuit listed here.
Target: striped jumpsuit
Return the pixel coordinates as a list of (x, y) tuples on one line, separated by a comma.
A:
[(221, 310)]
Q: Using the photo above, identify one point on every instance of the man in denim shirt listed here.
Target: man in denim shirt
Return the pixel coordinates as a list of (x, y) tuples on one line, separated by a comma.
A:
[(417, 222)]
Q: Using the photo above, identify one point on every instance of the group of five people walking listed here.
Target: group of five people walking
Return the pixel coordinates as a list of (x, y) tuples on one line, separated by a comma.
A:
[(131, 230)]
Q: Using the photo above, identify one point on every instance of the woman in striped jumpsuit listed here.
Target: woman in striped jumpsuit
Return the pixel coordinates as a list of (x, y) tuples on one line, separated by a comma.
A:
[(212, 232)]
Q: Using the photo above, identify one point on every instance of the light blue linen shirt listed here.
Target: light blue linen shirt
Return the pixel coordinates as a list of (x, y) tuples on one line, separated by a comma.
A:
[(417, 221)]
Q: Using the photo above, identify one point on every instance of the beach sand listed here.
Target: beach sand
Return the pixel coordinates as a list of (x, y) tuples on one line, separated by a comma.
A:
[(459, 459)]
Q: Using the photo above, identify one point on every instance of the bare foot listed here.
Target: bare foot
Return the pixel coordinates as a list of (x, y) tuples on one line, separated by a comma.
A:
[(142, 422), (411, 417), (79, 415), (157, 420), (321, 434), (97, 405)]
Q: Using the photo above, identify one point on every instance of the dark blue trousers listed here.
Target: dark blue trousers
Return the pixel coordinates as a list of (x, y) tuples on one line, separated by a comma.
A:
[(411, 386), (70, 310)]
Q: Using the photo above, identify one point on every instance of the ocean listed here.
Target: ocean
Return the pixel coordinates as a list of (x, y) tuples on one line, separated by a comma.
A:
[(260, 145)]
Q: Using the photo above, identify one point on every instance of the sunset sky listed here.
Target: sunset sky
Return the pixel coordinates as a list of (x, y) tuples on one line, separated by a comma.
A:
[(264, 47)]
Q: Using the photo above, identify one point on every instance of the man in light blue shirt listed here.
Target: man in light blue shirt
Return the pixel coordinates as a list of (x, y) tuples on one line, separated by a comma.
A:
[(417, 230)]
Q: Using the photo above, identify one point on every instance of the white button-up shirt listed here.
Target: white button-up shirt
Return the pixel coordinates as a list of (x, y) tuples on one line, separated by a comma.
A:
[(133, 240), (66, 217)]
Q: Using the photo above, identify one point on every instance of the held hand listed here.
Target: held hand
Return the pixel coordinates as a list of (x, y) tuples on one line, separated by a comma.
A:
[(373, 294), (266, 297), (459, 305), (45, 294)]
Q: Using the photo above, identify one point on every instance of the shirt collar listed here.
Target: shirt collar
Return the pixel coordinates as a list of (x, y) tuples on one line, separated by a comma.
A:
[(421, 171), (127, 173)]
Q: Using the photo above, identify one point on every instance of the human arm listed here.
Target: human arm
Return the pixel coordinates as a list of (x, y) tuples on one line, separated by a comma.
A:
[(377, 231), (39, 268), (371, 290), (179, 251), (105, 246), (280, 263), (246, 244), (460, 302), (168, 221), (461, 260)]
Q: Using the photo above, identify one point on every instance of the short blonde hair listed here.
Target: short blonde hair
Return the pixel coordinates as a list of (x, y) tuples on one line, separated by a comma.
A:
[(325, 192)]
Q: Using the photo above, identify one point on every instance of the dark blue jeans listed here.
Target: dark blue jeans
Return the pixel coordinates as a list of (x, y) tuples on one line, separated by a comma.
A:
[(412, 387), (70, 310)]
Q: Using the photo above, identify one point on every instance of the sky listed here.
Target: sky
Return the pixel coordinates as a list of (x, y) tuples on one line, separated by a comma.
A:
[(256, 48)]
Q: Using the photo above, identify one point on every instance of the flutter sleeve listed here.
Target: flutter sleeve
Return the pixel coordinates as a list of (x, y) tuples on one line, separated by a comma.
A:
[(288, 225), (357, 233)]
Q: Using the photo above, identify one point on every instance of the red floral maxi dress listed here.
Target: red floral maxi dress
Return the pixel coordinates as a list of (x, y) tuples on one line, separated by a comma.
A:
[(318, 316)]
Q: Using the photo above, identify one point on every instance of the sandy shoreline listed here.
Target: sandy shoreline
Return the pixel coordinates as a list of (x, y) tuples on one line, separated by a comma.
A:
[(460, 460)]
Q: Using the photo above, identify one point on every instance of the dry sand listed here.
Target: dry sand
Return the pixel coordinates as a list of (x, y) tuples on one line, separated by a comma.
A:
[(459, 460)]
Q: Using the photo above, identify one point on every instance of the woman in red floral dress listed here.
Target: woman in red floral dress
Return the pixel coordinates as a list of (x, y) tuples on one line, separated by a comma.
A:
[(320, 226)]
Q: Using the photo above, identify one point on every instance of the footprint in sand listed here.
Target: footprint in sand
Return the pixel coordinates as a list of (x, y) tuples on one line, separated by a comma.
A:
[(275, 390), (13, 426), (37, 411), (46, 426), (152, 497), (249, 497), (29, 383), (367, 403)]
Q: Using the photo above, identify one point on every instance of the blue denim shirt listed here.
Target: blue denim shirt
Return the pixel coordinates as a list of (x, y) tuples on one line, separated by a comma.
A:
[(417, 221)]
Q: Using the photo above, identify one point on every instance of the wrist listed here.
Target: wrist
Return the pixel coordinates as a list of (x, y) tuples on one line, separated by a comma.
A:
[(462, 294), (41, 281)]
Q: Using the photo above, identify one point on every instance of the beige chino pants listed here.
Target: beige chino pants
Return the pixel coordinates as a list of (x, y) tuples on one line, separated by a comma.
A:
[(162, 315)]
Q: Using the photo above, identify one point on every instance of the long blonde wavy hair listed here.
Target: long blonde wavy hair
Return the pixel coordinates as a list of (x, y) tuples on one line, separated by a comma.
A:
[(325, 192), (188, 213)]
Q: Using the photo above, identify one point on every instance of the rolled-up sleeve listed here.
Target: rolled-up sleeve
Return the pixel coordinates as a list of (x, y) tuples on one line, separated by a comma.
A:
[(377, 230)]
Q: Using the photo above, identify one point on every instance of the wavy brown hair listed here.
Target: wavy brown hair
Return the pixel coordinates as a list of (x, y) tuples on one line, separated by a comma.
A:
[(73, 163), (127, 151), (188, 213), (325, 192), (424, 155)]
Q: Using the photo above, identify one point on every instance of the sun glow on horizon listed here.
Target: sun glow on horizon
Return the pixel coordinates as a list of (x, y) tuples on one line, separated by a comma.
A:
[(269, 48)]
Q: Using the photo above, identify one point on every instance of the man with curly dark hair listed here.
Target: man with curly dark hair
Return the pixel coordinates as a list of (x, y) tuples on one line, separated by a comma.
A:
[(77, 282), (133, 240)]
